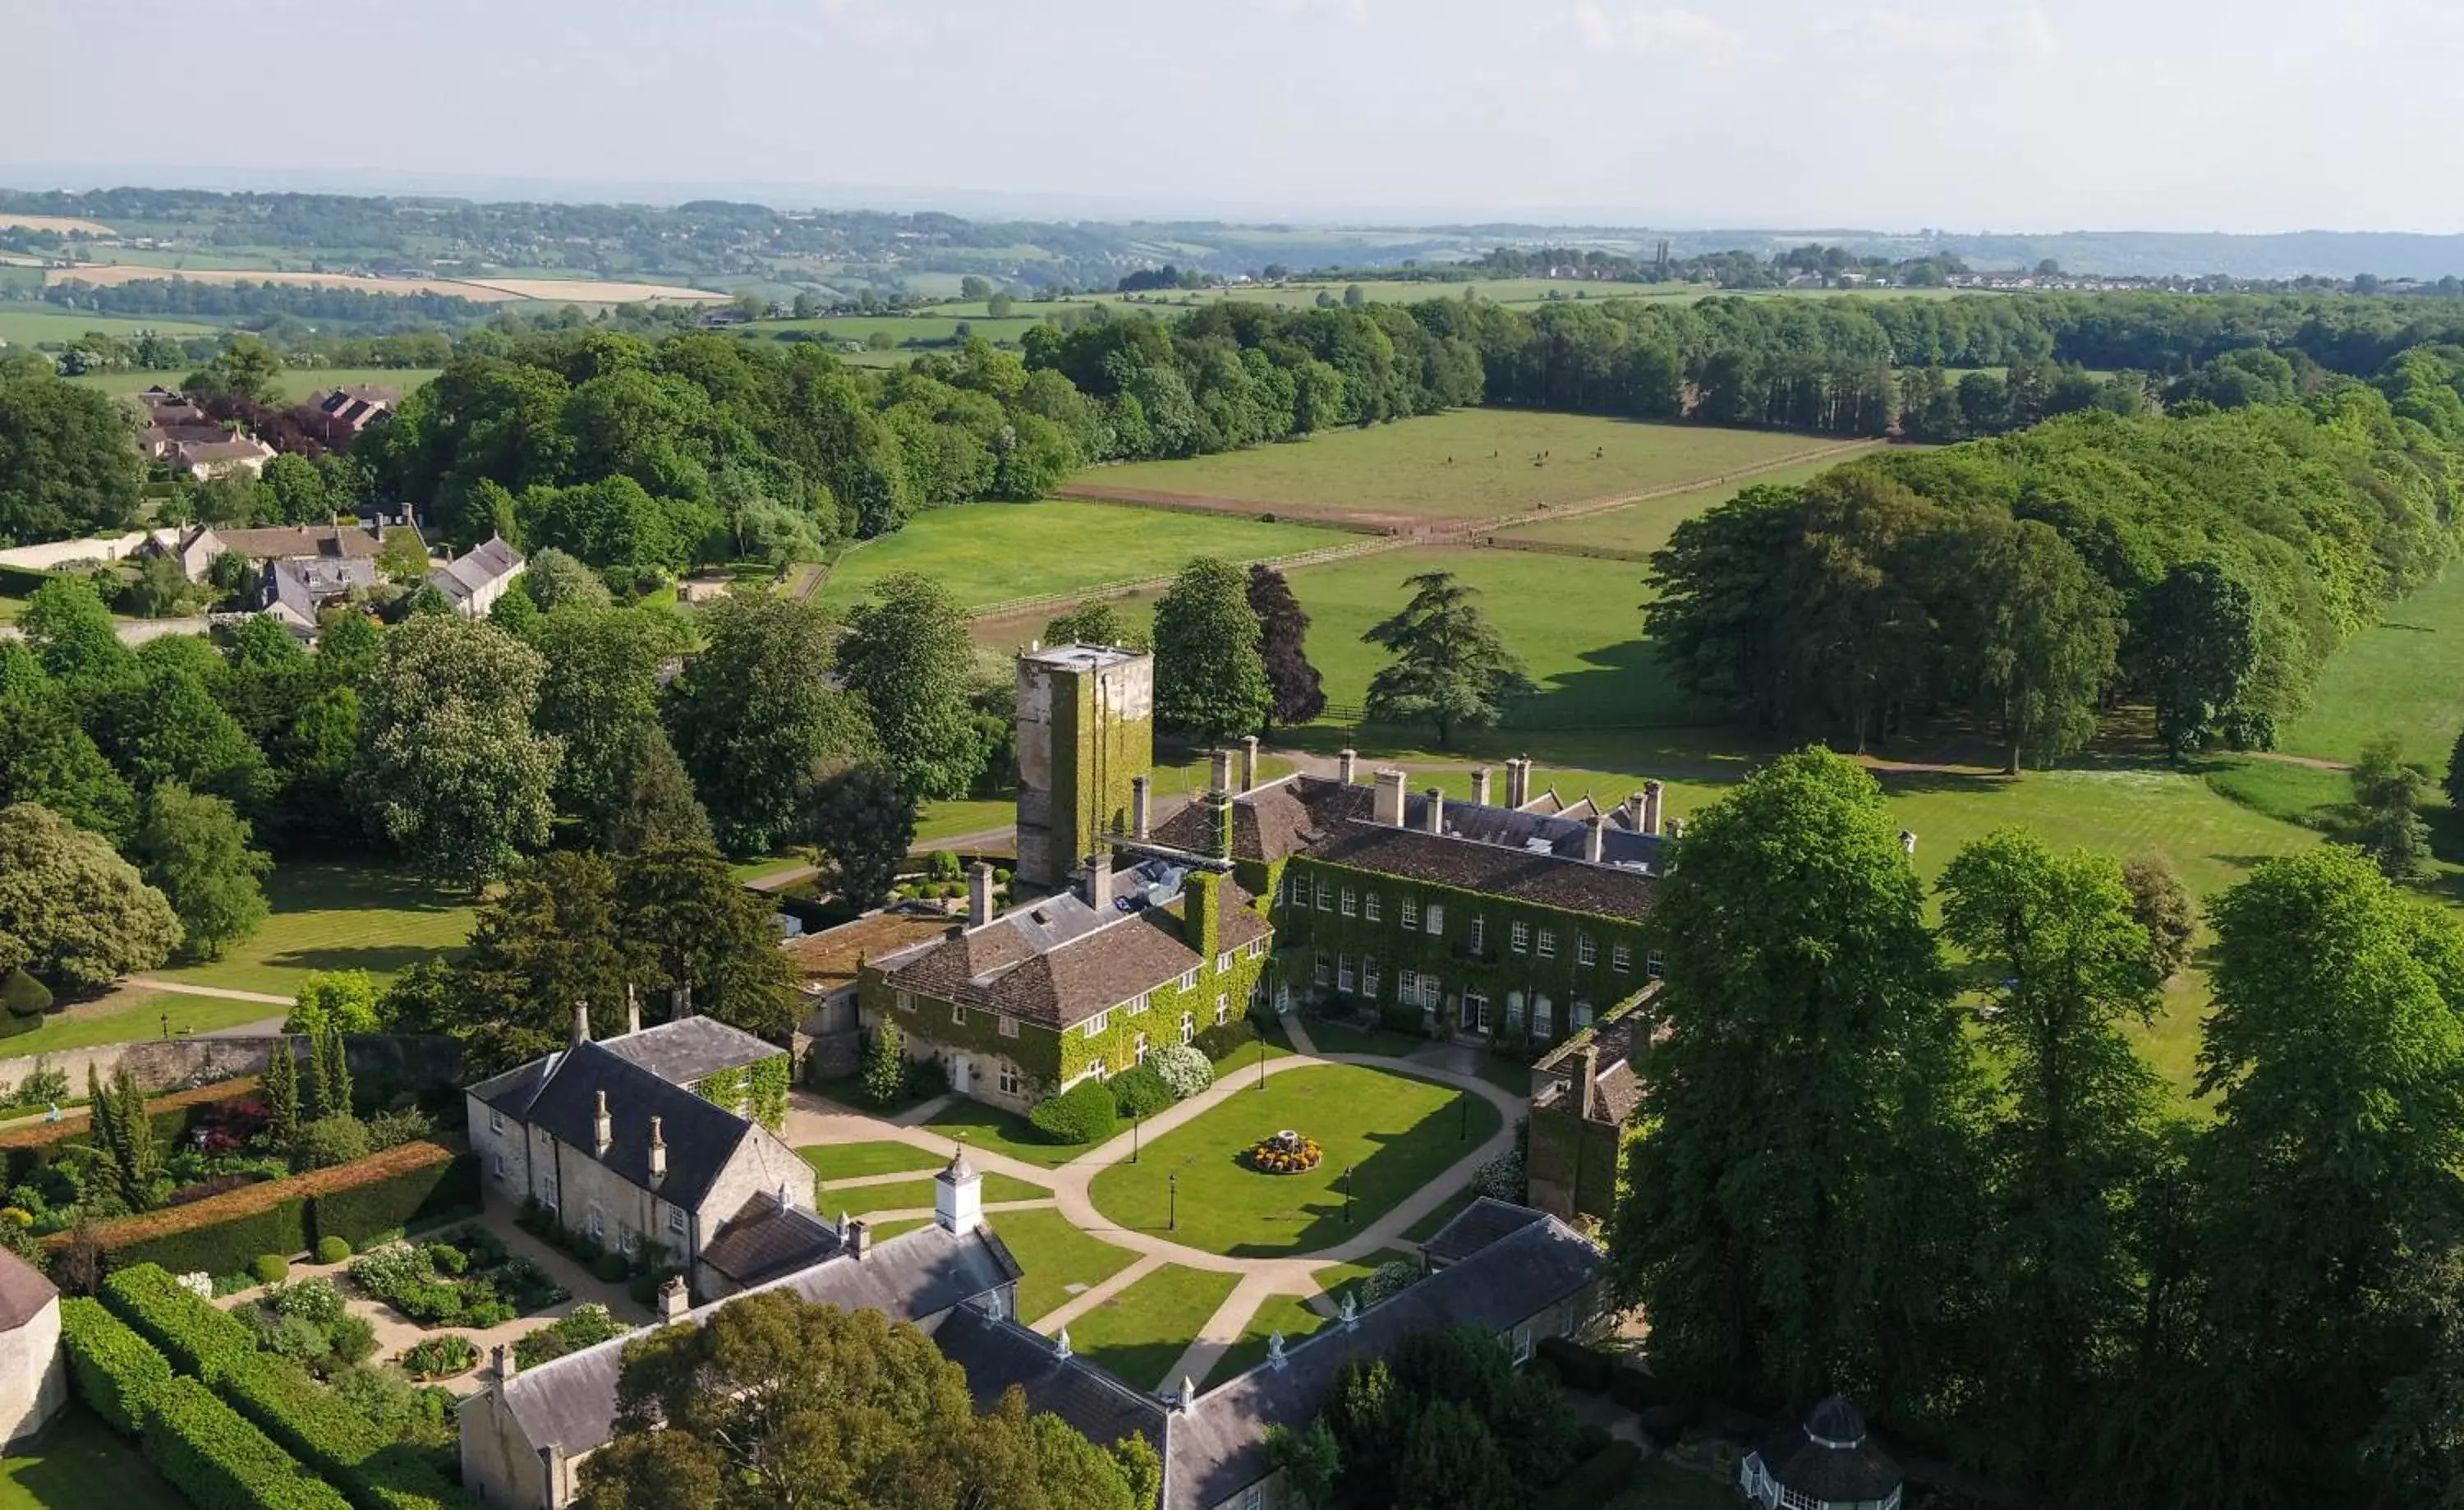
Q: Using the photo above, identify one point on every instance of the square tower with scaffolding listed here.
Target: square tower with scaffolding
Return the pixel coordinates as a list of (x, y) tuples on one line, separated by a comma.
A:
[(1086, 730)]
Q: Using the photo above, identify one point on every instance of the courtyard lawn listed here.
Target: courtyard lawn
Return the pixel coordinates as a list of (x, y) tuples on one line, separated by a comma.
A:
[(1060, 1262), (984, 1126), (78, 1463), (1288, 1314), (1140, 1333), (852, 1161), (132, 1016), (2397, 678), (994, 552), (1647, 526), (1335, 1037), (938, 822), (337, 915), (1393, 1133), (913, 1195), (1467, 465)]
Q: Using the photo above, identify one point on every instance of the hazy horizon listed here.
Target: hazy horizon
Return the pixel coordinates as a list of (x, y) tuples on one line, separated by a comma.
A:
[(1985, 116)]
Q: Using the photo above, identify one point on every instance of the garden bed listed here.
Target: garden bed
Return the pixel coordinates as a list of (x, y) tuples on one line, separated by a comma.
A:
[(466, 1277)]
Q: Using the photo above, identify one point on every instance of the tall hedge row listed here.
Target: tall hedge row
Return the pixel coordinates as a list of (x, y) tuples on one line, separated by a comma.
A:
[(114, 1373), (226, 1243), (432, 1187), (220, 1462), (192, 1331), (374, 1471)]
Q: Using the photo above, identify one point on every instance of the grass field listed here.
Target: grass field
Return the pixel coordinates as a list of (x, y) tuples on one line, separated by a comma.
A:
[(295, 383), (1647, 526), (1060, 1262), (77, 1464), (1473, 463), (1394, 1134), (132, 1016), (27, 324), (1140, 1333), (1288, 1314), (913, 1195), (2398, 679), (992, 553), (901, 328), (337, 915)]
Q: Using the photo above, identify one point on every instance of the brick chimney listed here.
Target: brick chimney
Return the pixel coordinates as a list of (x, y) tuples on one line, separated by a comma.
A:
[(1388, 808), (1433, 812), (1248, 761), (1591, 1078), (1347, 767), (1480, 786), (603, 1129), (859, 1236), (674, 1301), (1141, 807), (658, 1154), (1098, 884), (979, 893), (581, 1023)]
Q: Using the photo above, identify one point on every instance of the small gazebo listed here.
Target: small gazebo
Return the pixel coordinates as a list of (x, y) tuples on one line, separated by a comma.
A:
[(1829, 1463)]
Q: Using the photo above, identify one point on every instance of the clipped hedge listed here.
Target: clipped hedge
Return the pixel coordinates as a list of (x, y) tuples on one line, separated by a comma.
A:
[(220, 1462), (115, 1372), (1217, 1042), (1139, 1092), (312, 1422), (404, 1186), (1083, 1114), (194, 1333), (1578, 1366)]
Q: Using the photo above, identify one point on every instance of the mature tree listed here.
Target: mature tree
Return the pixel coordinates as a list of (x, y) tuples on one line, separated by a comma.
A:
[(68, 461), (164, 723), (700, 932), (2161, 905), (280, 1088), (2042, 631), (2386, 794), (1799, 1201), (2194, 647), (862, 825), (908, 652), (336, 1001), (450, 769), (775, 1402), (2070, 1142), (245, 369), (555, 580), (46, 757), (1447, 1420), (194, 849), (1451, 668), (2337, 1057), (132, 1152), (1210, 676), (1095, 622), (73, 635), (600, 696), (348, 645), (752, 713), (654, 798), (886, 1069), (298, 491), (553, 937), (1299, 695), (72, 913)]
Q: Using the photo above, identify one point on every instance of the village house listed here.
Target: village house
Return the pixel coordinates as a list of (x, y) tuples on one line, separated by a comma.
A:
[(295, 591), (159, 440), (473, 582), (202, 459), (342, 412), (640, 1144), (829, 1043), (367, 540), (33, 1374)]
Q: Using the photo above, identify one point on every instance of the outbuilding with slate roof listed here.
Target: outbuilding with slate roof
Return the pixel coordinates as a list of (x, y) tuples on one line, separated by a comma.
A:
[(34, 1379)]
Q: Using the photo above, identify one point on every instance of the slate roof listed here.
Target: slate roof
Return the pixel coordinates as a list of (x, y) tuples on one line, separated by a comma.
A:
[(997, 1354), (1830, 1458), (561, 1093), (1617, 1086), (689, 1049), (1475, 1226), (305, 586), (303, 542), (571, 1402), (490, 561), (1218, 1445), (765, 1240), (24, 1292)]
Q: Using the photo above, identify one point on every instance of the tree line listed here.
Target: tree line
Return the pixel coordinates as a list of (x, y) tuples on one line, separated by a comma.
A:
[(1927, 1168)]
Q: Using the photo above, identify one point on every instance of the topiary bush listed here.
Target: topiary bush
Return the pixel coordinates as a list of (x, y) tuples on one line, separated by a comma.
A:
[(1183, 1070), (332, 1250), (1081, 1115), (1501, 1178), (114, 1370), (1388, 1281), (269, 1268), (610, 1268), (21, 995), (1139, 1092)]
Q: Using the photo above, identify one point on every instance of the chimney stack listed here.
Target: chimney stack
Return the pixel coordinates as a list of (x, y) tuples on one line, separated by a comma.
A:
[(1248, 761), (1676, 827), (1480, 786), (1218, 780), (673, 1301), (1388, 808), (1347, 767), (1591, 1078), (1141, 807), (859, 1236), (979, 893), (658, 1154), (581, 1023), (1908, 842), (632, 1011), (1651, 799), (1436, 815), (506, 1365), (604, 1130), (1099, 878), (1595, 834), (1518, 781)]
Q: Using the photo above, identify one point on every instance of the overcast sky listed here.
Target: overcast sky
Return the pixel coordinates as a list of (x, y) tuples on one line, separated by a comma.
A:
[(2254, 115)]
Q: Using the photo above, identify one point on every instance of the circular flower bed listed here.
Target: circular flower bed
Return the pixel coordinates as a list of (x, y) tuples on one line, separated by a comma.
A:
[(1286, 1152)]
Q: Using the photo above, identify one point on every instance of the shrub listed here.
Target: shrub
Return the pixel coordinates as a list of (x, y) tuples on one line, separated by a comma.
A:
[(885, 1065), (114, 1370), (332, 1250), (22, 995), (218, 1461), (610, 1268), (404, 1186), (351, 1340), (1217, 1042), (1501, 1178), (445, 1259), (1183, 1070), (1078, 1116), (584, 1326), (193, 1333), (314, 1301), (269, 1268), (1139, 1092), (1388, 1281), (335, 1140), (440, 1357), (392, 1129), (942, 864)]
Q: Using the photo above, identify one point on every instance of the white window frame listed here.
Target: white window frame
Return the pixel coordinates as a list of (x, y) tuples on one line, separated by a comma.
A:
[(495, 1120), (1351, 902), (1295, 890), (1188, 1028), (1097, 1069), (1135, 1004), (1411, 914), (1578, 1017), (1586, 953), (1008, 1026), (957, 1015), (1653, 968), (1096, 1024), (500, 1168), (597, 1224), (906, 1000), (1407, 986), (1222, 962), (1476, 1002), (1545, 946), (1518, 938), (1326, 896), (1523, 1343), (1622, 958), (1010, 1081), (1321, 970), (1544, 1017), (1344, 981), (676, 1220), (1369, 976), (1189, 979), (628, 1242), (1254, 948), (1478, 935), (1222, 1008), (1436, 914), (1141, 1053), (1373, 908), (1433, 993)]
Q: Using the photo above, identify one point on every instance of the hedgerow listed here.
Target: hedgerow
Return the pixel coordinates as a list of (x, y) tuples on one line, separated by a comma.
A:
[(374, 1470), (218, 1461), (192, 1332), (115, 1371)]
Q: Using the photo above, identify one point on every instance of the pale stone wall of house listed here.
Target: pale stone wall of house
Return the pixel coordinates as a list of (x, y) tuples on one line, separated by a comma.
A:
[(33, 1377), (503, 1147), (499, 1467), (763, 1162)]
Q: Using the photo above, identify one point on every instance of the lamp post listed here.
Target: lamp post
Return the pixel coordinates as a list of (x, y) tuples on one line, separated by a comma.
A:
[(1462, 1126), (166, 1024), (1172, 1217), (1347, 1196), (1262, 1062), (1133, 1135)]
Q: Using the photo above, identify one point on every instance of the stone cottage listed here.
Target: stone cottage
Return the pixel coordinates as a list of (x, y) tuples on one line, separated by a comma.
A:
[(34, 1375)]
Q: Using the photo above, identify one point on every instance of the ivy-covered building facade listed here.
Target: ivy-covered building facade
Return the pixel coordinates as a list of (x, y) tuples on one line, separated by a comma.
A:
[(1513, 924)]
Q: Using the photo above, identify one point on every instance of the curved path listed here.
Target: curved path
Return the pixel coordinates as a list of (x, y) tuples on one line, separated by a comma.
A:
[(811, 1119)]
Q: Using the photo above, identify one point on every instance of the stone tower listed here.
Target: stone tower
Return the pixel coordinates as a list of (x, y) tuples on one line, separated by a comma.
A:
[(1086, 729)]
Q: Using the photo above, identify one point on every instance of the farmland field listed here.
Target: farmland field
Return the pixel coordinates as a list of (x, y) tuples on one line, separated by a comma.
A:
[(295, 383), (478, 291), (2397, 678), (1647, 526), (993, 553), (901, 328), (1467, 464), (26, 325), (65, 225)]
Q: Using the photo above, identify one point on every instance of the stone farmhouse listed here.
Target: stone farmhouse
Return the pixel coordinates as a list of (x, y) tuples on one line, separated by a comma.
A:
[(33, 1373), (473, 582), (196, 550), (622, 1143), (342, 412)]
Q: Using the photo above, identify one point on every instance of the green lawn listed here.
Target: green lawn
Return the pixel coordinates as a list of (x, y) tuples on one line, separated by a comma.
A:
[(1647, 526), (850, 1161), (1473, 463), (26, 325), (295, 383), (1140, 1333), (1334, 1037), (993, 553), (337, 915), (985, 1127), (2398, 679), (1060, 1260), (939, 821), (1288, 1314), (77, 1464), (1393, 1132), (913, 1195), (133, 1015)]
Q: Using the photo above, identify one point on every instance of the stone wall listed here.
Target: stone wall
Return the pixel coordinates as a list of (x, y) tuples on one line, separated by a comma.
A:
[(170, 1063)]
